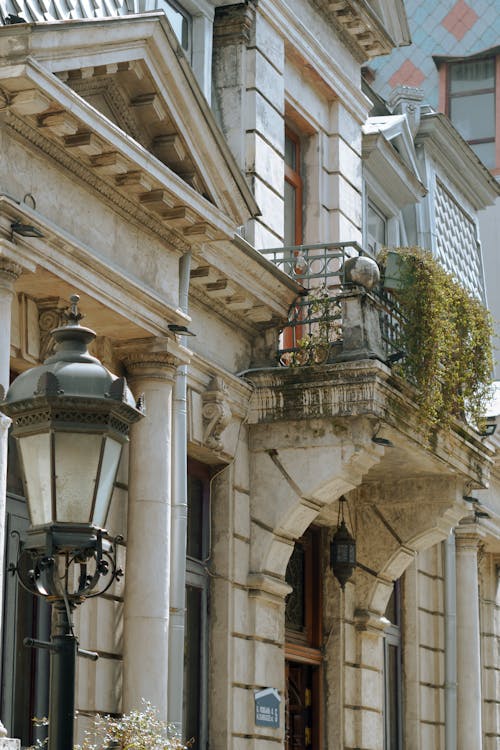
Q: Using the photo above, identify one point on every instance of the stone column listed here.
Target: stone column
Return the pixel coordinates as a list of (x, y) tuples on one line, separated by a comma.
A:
[(9, 272), (469, 699), (151, 365)]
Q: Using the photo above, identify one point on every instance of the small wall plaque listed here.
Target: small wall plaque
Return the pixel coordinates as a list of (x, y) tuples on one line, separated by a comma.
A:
[(267, 708)]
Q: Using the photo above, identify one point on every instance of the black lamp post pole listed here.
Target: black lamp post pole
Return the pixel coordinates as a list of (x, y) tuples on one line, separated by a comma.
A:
[(63, 648), (63, 651)]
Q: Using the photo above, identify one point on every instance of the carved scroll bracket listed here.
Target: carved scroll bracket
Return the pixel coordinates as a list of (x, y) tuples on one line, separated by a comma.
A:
[(216, 413)]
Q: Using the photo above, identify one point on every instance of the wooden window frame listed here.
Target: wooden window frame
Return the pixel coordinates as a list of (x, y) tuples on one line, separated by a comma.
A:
[(306, 648), (445, 96), (197, 577), (294, 178)]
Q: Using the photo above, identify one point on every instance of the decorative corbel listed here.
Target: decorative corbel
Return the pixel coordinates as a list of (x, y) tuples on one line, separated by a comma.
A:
[(50, 316), (216, 413)]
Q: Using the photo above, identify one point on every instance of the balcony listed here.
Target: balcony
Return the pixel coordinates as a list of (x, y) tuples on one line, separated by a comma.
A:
[(336, 319), (334, 379)]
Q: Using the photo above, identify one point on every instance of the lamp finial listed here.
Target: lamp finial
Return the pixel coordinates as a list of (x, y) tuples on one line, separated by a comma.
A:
[(73, 316)]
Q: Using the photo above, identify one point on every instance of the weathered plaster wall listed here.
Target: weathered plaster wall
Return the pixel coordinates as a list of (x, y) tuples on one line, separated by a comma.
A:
[(219, 341)]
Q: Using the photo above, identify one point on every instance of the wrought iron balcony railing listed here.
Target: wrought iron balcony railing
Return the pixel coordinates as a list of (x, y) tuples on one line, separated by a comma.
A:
[(317, 320)]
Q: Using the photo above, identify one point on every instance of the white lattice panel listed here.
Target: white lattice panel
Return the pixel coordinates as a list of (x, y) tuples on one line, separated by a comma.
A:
[(457, 242), (59, 10)]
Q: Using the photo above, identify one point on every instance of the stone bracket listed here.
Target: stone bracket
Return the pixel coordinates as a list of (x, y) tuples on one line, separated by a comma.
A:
[(216, 413)]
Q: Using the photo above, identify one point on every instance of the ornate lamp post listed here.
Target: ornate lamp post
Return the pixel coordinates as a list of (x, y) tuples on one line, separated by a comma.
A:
[(70, 418)]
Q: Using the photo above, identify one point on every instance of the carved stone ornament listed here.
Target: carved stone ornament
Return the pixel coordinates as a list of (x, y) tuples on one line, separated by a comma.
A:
[(9, 270), (216, 413), (50, 317)]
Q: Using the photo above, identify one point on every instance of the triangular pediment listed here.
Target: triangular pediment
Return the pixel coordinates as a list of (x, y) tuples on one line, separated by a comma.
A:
[(121, 96), (128, 98), (105, 94)]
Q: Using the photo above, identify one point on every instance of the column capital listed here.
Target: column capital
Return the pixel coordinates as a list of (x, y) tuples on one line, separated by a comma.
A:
[(469, 536), (14, 260), (9, 270), (233, 23), (153, 358)]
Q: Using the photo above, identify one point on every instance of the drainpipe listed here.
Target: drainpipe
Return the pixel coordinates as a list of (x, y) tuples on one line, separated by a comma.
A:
[(450, 625), (178, 524)]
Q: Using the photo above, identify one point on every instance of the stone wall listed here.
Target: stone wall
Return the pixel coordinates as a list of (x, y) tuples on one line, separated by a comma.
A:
[(424, 644)]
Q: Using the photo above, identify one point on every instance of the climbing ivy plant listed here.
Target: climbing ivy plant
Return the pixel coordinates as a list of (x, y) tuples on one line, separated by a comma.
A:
[(446, 340)]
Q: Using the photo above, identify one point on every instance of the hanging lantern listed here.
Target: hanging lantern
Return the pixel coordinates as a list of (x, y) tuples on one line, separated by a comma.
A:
[(342, 549)]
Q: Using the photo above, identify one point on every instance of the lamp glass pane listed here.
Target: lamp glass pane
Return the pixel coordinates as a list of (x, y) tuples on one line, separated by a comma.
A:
[(35, 455), (77, 462), (109, 467)]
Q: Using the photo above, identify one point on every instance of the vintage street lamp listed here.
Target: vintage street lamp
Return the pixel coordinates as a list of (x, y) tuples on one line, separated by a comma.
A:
[(70, 418), (342, 549)]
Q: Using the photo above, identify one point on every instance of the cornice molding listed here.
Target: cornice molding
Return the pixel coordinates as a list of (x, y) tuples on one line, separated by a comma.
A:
[(126, 208), (457, 160)]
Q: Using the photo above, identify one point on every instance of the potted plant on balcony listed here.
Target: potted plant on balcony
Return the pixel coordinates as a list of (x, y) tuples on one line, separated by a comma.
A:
[(321, 314), (396, 271)]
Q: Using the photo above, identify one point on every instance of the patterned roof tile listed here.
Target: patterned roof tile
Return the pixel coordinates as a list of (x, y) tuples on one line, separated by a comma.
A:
[(460, 19)]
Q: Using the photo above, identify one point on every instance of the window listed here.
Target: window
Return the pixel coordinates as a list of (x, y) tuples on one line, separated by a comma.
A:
[(471, 104), (196, 624), (392, 672), (192, 22), (293, 190), (376, 229), (303, 645), (181, 23)]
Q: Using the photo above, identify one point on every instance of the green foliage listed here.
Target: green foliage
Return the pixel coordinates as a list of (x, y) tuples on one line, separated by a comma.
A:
[(137, 730), (447, 342)]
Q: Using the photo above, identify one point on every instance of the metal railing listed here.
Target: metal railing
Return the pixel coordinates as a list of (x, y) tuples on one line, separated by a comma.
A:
[(314, 333)]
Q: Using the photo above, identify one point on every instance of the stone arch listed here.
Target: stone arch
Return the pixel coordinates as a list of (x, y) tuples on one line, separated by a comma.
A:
[(315, 464), (438, 506)]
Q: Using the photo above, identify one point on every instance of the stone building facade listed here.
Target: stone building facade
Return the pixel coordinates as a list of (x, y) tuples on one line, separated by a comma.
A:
[(161, 162)]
